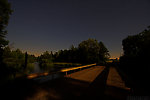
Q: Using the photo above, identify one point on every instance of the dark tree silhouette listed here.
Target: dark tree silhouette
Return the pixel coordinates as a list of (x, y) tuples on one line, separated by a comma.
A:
[(103, 53), (26, 60), (5, 12), (88, 51), (135, 61)]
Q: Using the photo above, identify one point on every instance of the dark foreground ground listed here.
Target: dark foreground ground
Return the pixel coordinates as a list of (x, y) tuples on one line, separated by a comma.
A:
[(64, 88)]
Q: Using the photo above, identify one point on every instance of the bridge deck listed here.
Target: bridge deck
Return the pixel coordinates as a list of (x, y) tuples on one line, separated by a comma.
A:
[(87, 75)]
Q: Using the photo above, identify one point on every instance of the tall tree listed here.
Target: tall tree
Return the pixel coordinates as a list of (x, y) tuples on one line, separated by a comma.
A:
[(137, 45), (91, 51), (135, 60), (74, 54), (5, 12), (103, 52)]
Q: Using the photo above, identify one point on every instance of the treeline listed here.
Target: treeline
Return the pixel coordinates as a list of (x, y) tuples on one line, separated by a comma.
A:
[(88, 51), (13, 61), (135, 60)]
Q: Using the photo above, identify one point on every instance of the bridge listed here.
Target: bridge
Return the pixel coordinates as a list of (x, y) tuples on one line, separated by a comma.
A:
[(84, 82), (64, 70)]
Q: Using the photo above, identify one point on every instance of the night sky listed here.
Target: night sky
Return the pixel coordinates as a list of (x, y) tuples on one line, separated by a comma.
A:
[(39, 25)]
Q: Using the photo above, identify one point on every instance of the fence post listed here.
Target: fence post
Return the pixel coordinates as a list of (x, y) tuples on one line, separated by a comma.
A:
[(26, 59)]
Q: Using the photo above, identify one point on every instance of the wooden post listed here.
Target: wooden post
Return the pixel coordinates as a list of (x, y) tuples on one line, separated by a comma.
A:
[(26, 59)]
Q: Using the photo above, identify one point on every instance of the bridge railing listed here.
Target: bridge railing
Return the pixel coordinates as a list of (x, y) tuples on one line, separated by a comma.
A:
[(65, 70)]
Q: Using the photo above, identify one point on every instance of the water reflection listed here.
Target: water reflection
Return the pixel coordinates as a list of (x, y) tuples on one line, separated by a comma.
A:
[(52, 67), (36, 68)]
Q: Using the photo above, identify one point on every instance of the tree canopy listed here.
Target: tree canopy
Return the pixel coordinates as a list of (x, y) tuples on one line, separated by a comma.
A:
[(103, 52), (5, 12), (137, 45), (88, 51), (135, 61), (92, 51)]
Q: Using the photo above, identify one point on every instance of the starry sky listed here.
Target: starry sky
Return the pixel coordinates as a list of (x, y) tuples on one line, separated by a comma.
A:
[(39, 25)]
